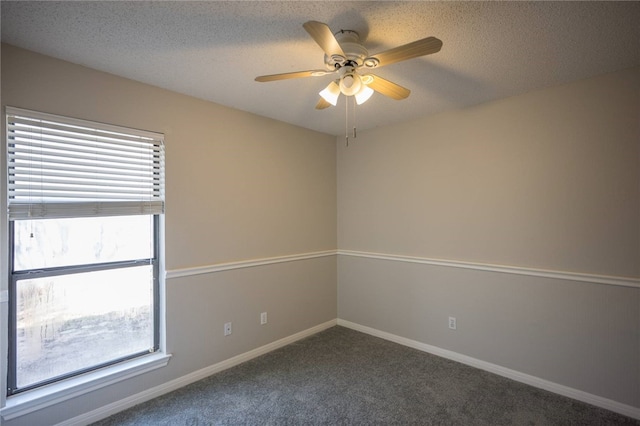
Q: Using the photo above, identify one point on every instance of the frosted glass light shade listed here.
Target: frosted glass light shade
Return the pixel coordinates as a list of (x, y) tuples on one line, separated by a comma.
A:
[(331, 93), (364, 94), (350, 84)]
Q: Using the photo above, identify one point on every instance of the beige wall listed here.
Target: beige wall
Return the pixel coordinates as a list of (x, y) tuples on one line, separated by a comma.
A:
[(548, 180), (238, 187)]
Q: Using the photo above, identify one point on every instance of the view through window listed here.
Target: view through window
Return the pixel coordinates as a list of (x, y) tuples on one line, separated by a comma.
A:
[(77, 320)]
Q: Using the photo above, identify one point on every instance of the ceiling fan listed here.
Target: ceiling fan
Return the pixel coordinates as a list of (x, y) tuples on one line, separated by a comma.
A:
[(349, 60)]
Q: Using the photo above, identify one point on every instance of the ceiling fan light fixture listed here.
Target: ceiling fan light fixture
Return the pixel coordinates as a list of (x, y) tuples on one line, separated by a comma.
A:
[(331, 93), (364, 94), (350, 84), (345, 55)]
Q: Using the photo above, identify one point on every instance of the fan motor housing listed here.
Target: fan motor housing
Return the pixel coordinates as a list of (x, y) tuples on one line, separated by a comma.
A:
[(355, 52)]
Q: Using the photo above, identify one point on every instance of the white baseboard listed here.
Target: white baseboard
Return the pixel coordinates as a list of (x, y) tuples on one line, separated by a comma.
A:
[(598, 401), (149, 394), (123, 404)]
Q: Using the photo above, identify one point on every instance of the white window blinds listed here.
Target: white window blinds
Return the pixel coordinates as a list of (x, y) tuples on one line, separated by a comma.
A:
[(62, 167)]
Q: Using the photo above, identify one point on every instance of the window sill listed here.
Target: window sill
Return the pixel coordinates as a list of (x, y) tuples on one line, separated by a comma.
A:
[(30, 401)]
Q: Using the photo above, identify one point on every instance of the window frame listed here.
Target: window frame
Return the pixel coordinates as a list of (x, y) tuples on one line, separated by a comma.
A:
[(42, 392), (15, 276)]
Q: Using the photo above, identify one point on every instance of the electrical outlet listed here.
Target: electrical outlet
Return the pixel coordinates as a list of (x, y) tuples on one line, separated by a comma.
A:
[(227, 328), (452, 323), (263, 318)]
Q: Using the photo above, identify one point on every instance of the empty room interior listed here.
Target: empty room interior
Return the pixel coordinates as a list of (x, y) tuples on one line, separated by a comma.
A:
[(482, 205)]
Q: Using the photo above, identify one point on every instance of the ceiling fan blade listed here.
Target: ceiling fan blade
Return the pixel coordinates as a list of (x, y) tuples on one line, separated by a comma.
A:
[(426, 46), (288, 75), (388, 88), (322, 104), (322, 34)]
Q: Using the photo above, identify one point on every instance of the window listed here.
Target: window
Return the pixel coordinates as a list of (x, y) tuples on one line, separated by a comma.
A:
[(84, 205)]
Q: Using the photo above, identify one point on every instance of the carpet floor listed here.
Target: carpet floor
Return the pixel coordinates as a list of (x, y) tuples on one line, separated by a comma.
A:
[(344, 377)]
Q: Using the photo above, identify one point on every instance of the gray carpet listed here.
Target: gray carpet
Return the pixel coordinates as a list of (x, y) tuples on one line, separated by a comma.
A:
[(344, 377)]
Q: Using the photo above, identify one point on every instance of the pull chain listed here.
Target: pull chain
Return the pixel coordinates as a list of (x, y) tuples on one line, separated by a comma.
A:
[(346, 120), (354, 117)]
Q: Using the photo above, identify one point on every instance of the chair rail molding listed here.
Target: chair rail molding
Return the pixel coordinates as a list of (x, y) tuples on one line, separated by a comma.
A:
[(251, 263), (506, 269)]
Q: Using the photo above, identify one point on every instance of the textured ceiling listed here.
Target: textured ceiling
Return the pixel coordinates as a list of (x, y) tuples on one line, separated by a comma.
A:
[(214, 50)]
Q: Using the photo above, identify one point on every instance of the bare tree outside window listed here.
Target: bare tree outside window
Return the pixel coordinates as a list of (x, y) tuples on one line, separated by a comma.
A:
[(72, 322)]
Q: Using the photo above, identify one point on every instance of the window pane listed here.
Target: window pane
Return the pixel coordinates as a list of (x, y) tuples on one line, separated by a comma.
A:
[(74, 322), (47, 243)]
